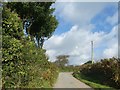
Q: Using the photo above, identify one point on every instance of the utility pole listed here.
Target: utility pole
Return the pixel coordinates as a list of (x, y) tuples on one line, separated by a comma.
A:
[(92, 54)]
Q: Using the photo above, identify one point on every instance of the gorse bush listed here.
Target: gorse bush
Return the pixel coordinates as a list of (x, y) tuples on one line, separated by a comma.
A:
[(23, 64), (41, 72), (12, 58), (11, 24), (106, 71), (12, 61)]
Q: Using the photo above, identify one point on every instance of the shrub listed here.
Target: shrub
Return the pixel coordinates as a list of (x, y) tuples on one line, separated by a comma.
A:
[(23, 64), (12, 62), (107, 71)]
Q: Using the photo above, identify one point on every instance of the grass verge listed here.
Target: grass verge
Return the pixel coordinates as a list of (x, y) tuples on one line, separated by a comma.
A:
[(90, 82)]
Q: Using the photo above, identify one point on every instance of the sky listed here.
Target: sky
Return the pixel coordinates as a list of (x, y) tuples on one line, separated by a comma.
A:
[(79, 24)]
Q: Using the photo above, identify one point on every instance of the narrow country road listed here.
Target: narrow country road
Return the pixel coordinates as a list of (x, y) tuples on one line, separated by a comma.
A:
[(66, 80)]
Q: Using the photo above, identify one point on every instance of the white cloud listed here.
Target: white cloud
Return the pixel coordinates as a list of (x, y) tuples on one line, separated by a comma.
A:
[(79, 13), (113, 19), (111, 51), (77, 43), (112, 43)]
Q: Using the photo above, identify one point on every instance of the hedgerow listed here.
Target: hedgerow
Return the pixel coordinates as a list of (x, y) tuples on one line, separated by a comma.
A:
[(106, 72), (23, 64)]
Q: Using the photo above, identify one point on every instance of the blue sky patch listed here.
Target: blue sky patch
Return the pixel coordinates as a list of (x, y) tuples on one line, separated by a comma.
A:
[(100, 19)]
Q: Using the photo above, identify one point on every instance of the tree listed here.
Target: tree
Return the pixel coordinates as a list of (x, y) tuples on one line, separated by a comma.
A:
[(62, 60), (38, 19)]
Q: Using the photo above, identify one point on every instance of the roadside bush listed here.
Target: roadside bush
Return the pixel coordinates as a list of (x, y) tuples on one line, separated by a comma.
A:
[(12, 62), (69, 68), (106, 72), (42, 73), (23, 64), (11, 24), (13, 71)]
